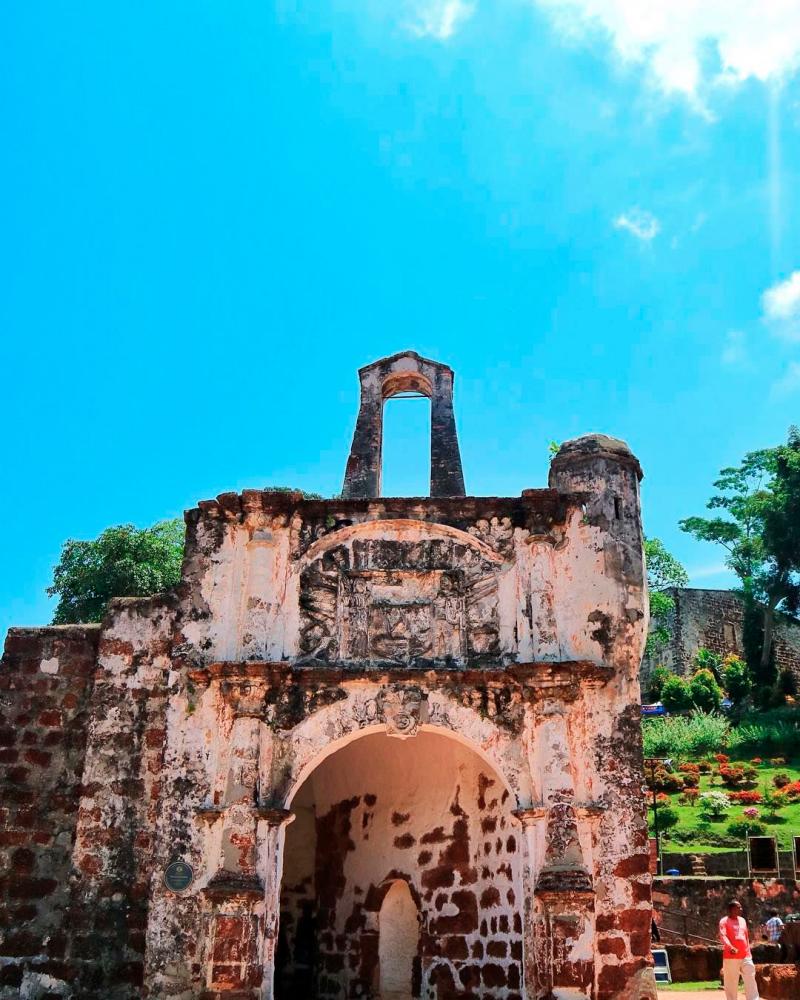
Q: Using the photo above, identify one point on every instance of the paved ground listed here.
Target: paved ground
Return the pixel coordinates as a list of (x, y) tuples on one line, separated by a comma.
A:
[(693, 994)]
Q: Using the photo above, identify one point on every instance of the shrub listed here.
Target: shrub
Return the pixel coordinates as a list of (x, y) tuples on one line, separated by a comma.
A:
[(781, 779), (709, 662), (721, 758), (691, 780), (662, 797), (777, 761), (737, 680), (792, 791), (732, 777), (750, 813), (681, 737), (714, 805), (705, 767), (675, 694), (775, 801), (756, 760), (667, 818), (704, 691), (746, 827), (655, 684), (689, 768), (690, 796), (749, 796)]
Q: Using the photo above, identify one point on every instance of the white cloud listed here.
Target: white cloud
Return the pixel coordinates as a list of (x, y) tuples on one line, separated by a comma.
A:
[(735, 350), (640, 223), (789, 384), (781, 306), (689, 43), (781, 302), (440, 18)]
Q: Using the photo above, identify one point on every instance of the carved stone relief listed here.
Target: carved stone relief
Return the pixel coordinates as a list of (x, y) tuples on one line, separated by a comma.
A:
[(401, 708), (391, 601)]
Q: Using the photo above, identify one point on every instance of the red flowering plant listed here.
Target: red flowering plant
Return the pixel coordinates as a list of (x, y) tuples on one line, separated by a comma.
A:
[(721, 758), (732, 777), (748, 797), (690, 796)]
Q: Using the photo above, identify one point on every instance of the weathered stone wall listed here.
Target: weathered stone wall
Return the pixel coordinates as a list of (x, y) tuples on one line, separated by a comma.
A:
[(511, 626), (46, 680), (697, 904), (713, 619)]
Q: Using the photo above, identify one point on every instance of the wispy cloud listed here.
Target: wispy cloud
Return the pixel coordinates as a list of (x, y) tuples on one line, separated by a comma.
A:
[(640, 223), (735, 350), (703, 572), (788, 384), (781, 307), (440, 18), (686, 44)]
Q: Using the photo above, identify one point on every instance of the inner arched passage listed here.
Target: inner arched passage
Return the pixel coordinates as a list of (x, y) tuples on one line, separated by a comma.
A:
[(427, 812)]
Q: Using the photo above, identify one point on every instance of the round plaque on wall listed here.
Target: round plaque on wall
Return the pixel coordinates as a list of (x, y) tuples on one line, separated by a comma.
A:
[(178, 876)]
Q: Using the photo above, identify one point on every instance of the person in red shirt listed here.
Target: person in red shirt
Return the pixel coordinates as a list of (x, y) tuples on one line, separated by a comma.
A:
[(737, 959)]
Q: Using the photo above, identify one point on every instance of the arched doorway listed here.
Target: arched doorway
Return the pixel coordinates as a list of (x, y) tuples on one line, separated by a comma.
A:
[(398, 942), (404, 858)]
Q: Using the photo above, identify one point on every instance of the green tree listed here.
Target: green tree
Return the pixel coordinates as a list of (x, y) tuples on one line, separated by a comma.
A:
[(663, 571), (656, 681), (704, 691), (123, 561), (668, 817), (759, 528), (737, 680), (675, 695)]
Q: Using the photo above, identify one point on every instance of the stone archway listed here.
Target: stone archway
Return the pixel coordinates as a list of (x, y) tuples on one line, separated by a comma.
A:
[(428, 814)]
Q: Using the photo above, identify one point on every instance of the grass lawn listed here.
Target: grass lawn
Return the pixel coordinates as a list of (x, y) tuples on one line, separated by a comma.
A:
[(686, 987), (785, 826)]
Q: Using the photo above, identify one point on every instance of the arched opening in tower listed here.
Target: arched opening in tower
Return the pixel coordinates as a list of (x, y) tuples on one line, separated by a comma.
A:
[(401, 876), (406, 454)]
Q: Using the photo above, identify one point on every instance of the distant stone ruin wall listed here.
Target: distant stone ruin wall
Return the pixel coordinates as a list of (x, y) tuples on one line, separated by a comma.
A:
[(46, 681), (701, 903), (713, 619)]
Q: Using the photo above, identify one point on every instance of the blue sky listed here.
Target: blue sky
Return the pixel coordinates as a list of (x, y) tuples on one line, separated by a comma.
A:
[(213, 214)]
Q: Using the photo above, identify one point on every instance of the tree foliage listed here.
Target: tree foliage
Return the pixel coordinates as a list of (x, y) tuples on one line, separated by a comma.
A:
[(759, 528), (123, 561), (737, 680), (704, 692), (663, 571)]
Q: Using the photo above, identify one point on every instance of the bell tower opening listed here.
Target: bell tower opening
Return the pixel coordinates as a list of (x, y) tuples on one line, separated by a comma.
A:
[(405, 374), (406, 457)]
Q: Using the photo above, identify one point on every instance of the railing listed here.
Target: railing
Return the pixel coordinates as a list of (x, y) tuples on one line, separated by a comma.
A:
[(684, 933)]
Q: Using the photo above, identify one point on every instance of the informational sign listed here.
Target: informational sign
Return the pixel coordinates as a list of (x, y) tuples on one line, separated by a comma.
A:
[(178, 876), (762, 853)]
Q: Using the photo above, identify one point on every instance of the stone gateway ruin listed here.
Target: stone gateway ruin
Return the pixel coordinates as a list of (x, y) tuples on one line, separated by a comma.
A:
[(369, 747)]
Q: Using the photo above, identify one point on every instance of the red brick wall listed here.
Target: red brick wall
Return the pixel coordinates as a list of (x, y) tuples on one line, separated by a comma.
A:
[(46, 679)]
